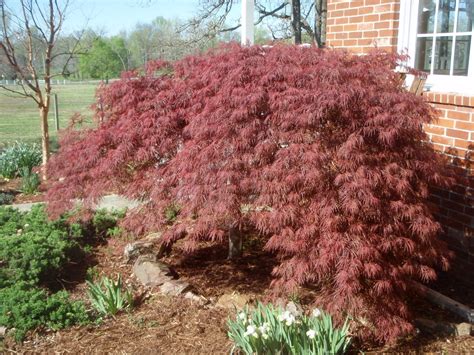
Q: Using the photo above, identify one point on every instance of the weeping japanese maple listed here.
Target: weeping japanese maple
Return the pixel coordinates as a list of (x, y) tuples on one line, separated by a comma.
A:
[(322, 152)]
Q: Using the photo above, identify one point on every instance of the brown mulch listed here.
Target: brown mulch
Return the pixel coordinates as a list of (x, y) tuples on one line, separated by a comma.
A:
[(12, 187), (160, 326), (163, 325)]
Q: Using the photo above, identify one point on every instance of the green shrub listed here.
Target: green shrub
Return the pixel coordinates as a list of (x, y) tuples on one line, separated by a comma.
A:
[(17, 156), (105, 222), (269, 330), (30, 181), (33, 252), (6, 198), (32, 249), (25, 307), (108, 297)]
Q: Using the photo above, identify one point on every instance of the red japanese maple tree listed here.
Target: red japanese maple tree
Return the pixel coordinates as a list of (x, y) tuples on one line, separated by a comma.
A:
[(321, 151)]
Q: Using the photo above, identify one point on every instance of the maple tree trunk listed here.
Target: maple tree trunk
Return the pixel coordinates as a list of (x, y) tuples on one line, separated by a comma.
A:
[(235, 243), (44, 139)]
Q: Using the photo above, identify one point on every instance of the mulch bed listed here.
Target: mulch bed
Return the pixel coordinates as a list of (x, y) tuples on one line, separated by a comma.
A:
[(164, 325), (12, 187)]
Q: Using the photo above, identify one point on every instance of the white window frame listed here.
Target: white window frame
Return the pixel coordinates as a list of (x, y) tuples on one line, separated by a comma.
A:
[(407, 37)]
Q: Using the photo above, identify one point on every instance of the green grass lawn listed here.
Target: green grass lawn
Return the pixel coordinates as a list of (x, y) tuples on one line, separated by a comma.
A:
[(19, 117)]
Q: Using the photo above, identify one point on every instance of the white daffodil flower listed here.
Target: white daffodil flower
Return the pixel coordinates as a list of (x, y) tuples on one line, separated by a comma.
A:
[(264, 328), (287, 317), (251, 331), (311, 333), (290, 320), (316, 313), (242, 317)]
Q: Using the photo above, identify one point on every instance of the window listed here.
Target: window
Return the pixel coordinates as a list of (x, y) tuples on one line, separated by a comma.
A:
[(438, 35)]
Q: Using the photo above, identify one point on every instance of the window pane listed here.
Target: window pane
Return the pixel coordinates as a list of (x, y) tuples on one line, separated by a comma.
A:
[(426, 16), (443, 52), (424, 47), (461, 55), (446, 13), (465, 16)]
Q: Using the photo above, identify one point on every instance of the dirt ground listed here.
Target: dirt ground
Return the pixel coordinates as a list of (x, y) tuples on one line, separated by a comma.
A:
[(165, 325)]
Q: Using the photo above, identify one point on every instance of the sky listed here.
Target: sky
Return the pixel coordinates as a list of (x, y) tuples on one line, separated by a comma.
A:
[(113, 16)]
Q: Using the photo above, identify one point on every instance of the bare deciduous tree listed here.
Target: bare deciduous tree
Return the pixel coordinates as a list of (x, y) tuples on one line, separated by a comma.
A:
[(285, 18), (32, 27)]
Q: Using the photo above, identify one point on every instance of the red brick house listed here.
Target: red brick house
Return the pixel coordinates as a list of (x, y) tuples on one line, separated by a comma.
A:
[(438, 37)]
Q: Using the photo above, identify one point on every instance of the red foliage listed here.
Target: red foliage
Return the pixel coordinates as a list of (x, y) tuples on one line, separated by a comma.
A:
[(320, 151)]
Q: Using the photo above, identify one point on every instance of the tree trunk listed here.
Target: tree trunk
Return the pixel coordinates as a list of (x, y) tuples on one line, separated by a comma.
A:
[(296, 23), (44, 139), (235, 243), (320, 22)]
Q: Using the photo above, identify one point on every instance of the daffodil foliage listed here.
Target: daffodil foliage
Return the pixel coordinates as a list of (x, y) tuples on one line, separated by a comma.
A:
[(320, 151)]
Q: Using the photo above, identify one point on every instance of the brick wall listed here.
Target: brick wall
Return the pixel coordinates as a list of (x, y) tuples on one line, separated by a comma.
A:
[(453, 134), (359, 25)]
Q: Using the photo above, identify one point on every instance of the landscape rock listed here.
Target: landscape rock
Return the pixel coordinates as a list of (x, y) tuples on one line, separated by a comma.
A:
[(233, 301), (3, 332), (196, 298), (151, 244), (463, 329), (133, 250), (175, 287), (151, 272), (157, 242), (444, 328)]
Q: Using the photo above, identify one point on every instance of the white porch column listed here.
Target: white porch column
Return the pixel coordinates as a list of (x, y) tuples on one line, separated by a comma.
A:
[(247, 36)]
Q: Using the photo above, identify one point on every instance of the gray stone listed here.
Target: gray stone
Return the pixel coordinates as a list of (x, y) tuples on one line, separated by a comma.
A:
[(133, 250), (151, 272), (233, 301), (196, 298), (175, 287), (3, 332), (151, 244), (110, 202), (463, 329), (443, 328), (156, 240)]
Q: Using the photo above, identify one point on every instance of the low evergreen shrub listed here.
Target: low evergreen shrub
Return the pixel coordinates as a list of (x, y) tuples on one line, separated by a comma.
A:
[(34, 252), (24, 307), (6, 198)]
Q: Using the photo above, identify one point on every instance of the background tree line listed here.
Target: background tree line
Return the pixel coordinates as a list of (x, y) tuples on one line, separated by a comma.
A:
[(98, 56)]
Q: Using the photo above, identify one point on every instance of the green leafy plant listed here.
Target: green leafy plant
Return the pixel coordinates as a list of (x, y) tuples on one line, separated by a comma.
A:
[(105, 222), (172, 212), (17, 156), (270, 330), (108, 296), (30, 181), (24, 307), (92, 274)]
